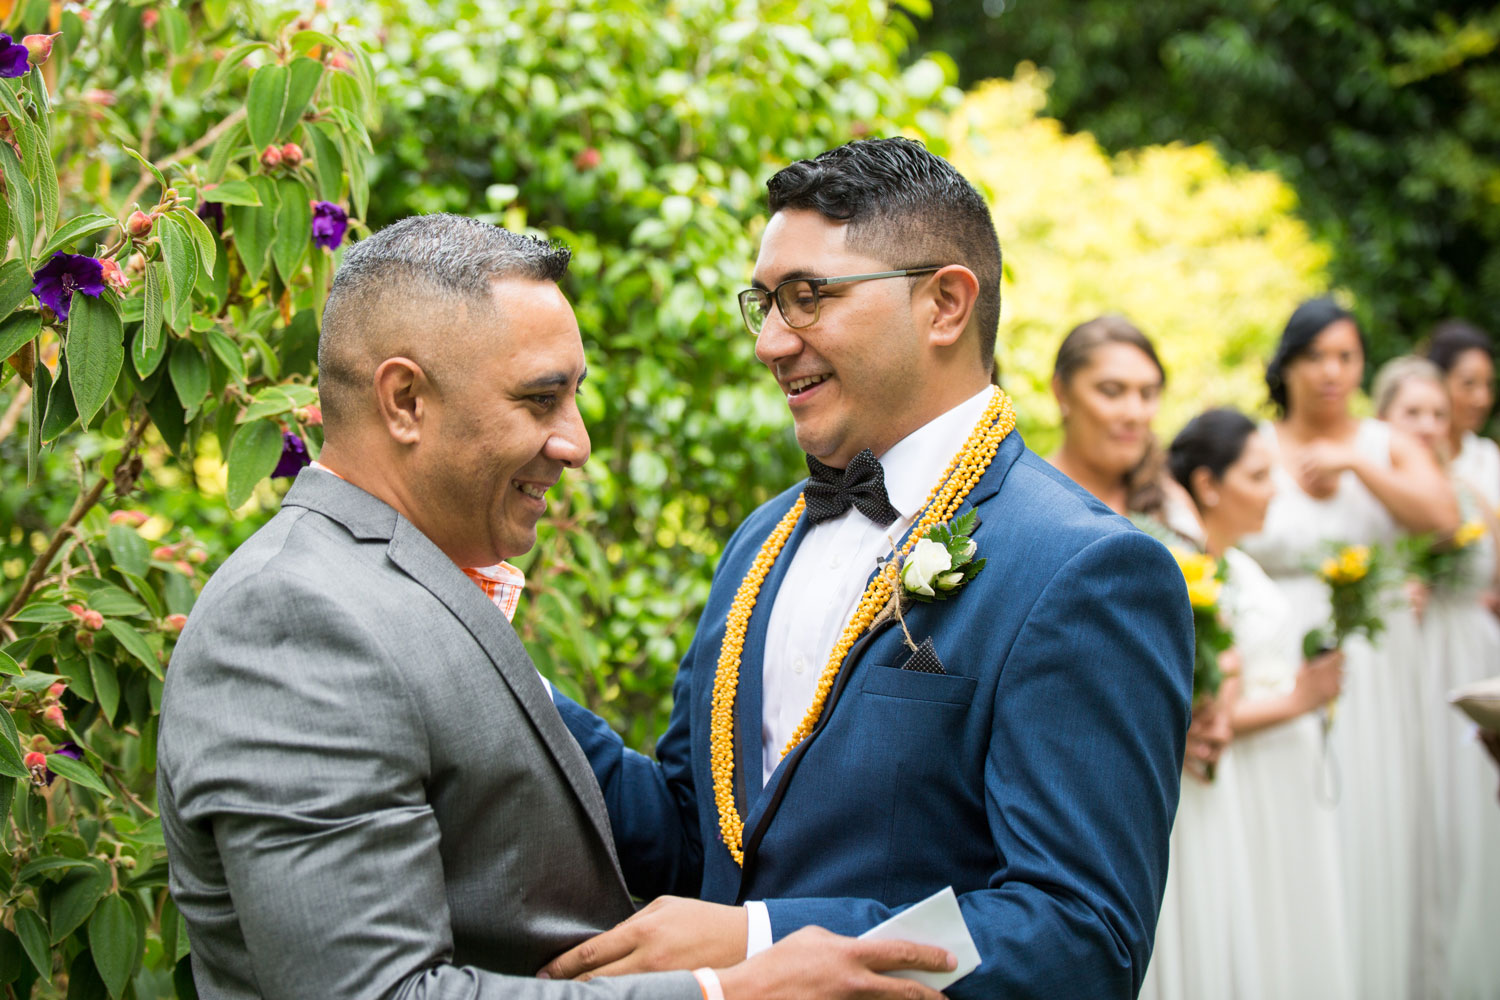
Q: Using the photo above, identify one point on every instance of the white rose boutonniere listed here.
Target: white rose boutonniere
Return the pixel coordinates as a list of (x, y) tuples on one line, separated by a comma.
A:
[(941, 562)]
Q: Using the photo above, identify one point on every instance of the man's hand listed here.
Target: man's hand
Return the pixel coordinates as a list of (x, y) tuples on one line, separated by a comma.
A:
[(814, 964), (668, 933)]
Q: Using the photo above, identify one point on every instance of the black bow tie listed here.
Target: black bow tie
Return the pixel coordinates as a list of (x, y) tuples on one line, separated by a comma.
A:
[(829, 492)]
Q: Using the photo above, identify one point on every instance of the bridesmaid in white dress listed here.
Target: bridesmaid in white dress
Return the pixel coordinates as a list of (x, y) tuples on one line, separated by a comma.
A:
[(1344, 480), (1462, 642), (1291, 841), (1108, 384)]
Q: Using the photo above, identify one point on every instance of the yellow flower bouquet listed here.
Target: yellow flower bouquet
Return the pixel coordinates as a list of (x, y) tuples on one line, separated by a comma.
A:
[(1353, 579), (1442, 563), (1205, 576)]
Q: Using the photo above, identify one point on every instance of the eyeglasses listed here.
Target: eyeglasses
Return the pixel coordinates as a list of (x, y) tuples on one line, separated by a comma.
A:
[(799, 300)]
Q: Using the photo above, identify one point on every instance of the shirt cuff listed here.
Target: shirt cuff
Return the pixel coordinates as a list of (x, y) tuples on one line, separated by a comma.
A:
[(708, 982), (758, 928)]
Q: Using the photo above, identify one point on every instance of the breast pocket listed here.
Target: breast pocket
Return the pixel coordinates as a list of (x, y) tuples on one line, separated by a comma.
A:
[(912, 685)]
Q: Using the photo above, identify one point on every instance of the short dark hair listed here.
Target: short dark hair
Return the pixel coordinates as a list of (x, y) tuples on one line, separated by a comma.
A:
[(1307, 321), (439, 257), (1452, 339), (900, 199), (1213, 440)]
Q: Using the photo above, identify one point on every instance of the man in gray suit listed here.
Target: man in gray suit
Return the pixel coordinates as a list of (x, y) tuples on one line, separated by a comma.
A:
[(364, 786)]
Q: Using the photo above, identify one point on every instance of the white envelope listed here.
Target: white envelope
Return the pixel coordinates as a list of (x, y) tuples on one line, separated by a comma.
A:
[(936, 920)]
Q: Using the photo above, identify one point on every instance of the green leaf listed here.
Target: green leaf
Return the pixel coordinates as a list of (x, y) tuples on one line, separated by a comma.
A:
[(180, 254), (106, 685), (134, 643), (140, 586), (150, 167), (24, 128), (302, 80), (232, 193), (112, 939), (34, 681), (111, 600), (253, 455), (41, 385), (8, 664), (77, 229), (305, 40), (228, 352), (43, 612), (15, 286), (293, 229), (33, 935), (83, 979), (77, 772), (96, 351), (189, 374), (271, 401), (225, 147), (232, 60), (61, 411), (22, 198), (12, 958), (264, 104), (29, 871), (327, 163), (5, 220), (18, 330), (12, 761), (150, 337), (46, 185), (254, 228), (128, 549), (359, 187), (76, 670), (202, 237), (174, 28)]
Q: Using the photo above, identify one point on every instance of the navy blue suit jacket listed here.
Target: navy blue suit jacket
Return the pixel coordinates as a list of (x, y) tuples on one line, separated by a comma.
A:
[(1038, 776)]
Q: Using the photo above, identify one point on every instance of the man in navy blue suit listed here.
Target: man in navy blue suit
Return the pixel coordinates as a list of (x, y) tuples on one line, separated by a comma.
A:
[(829, 762)]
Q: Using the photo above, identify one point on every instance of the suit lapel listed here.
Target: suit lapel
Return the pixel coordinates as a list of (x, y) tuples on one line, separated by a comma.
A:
[(764, 809), (415, 554)]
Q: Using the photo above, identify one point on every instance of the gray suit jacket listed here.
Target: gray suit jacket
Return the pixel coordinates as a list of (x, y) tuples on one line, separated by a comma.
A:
[(364, 786)]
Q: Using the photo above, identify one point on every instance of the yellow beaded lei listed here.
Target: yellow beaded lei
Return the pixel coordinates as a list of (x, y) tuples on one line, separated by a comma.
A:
[(963, 472)]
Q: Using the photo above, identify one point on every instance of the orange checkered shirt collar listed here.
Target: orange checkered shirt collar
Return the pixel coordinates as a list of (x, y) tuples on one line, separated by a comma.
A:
[(501, 583)]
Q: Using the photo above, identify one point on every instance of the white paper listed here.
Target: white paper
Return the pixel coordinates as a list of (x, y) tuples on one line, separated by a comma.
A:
[(936, 920)]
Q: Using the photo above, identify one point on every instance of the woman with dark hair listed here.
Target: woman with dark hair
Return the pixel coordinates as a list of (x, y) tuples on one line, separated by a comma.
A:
[(1462, 644), (1466, 356), (1345, 481), (1295, 931)]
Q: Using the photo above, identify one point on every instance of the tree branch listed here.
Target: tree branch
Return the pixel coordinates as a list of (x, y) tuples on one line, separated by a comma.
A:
[(82, 506), (14, 410)]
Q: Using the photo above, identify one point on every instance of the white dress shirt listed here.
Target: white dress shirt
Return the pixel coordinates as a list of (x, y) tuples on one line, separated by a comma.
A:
[(827, 577)]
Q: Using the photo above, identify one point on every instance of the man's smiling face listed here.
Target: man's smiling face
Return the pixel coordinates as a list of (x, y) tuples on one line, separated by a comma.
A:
[(850, 376)]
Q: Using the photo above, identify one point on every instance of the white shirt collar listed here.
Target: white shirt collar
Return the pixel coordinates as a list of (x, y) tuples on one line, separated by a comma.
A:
[(913, 464)]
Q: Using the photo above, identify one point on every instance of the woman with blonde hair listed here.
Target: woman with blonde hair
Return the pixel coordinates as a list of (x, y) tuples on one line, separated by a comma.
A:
[(1461, 643)]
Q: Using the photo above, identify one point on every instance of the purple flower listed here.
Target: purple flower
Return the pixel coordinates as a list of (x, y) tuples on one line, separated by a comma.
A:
[(293, 456), (212, 211), (328, 224), (68, 749), (64, 274), (15, 58)]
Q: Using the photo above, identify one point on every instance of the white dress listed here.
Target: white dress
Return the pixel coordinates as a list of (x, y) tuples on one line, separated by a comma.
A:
[(1463, 644), (1382, 788), (1478, 464), (1290, 836)]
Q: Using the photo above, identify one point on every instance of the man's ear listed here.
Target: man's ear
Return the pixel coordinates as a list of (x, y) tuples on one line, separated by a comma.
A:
[(402, 394), (950, 300)]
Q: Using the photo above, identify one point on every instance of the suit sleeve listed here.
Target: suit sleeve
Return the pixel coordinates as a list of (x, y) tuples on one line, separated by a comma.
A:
[(1091, 715), (296, 757), (653, 810)]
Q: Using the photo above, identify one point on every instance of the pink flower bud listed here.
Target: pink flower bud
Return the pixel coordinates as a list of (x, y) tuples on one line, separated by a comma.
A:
[(164, 553), (77, 610), (149, 18), (84, 638), (93, 620), (114, 277), (54, 715), (56, 690), (184, 567), (338, 61), (35, 758), (587, 158), (136, 264), (105, 98), (39, 47), (174, 623), (270, 158), (198, 556), (139, 224), (311, 415), (291, 154)]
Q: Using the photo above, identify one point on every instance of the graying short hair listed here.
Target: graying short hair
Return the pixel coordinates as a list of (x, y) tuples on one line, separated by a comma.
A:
[(1396, 372), (447, 258)]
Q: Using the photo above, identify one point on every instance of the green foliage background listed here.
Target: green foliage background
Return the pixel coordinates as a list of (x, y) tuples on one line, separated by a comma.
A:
[(640, 133)]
